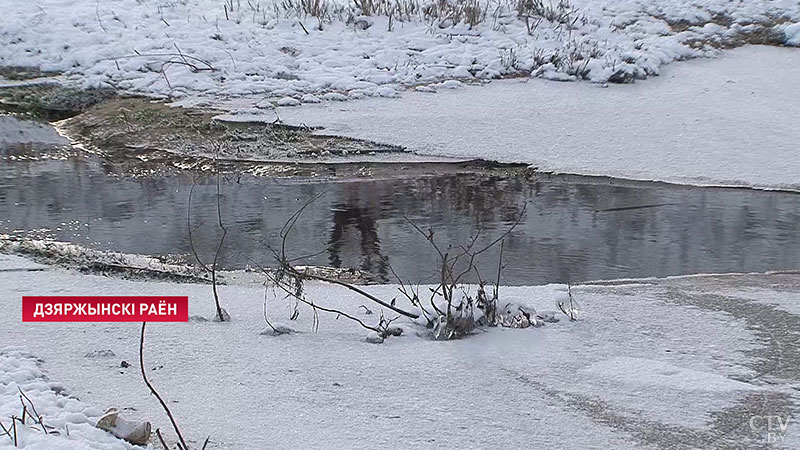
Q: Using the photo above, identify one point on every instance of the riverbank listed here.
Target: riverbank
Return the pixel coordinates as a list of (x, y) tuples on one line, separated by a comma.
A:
[(297, 52), (730, 121), (738, 108)]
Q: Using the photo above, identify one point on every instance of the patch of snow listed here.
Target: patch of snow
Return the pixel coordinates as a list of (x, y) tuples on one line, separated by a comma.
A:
[(450, 84), (13, 263), (386, 91), (288, 101), (265, 104), (425, 89), (792, 33), (335, 97), (310, 98), (70, 422)]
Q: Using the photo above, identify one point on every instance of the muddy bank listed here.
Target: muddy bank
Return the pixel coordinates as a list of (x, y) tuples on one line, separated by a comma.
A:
[(146, 130), (141, 137)]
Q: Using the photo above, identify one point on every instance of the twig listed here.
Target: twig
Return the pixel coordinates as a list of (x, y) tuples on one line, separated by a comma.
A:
[(161, 438), (97, 13), (266, 318), (499, 269), (154, 392), (5, 430), (220, 316), (360, 291), (300, 298)]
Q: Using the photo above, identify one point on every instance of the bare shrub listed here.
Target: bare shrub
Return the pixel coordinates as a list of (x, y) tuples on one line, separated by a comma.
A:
[(291, 280), (452, 313), (449, 311), (221, 314)]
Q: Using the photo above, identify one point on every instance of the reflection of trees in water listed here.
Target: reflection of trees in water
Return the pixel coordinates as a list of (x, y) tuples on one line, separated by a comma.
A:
[(486, 199), (566, 235), (363, 219)]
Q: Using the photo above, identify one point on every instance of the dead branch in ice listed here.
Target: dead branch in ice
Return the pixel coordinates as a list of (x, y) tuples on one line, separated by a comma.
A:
[(290, 279), (292, 287), (288, 270)]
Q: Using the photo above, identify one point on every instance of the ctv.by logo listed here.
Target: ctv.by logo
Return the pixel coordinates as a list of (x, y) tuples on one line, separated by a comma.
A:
[(774, 426)]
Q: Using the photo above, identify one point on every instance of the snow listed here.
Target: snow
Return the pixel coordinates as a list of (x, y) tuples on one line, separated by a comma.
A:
[(332, 389), (288, 101), (653, 373), (258, 48), (72, 419), (730, 121), (792, 33)]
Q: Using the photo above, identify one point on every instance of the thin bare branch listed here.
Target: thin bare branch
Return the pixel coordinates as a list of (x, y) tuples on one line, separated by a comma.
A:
[(154, 392)]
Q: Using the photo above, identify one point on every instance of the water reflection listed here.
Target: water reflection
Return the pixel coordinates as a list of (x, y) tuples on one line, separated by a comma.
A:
[(355, 225), (572, 231)]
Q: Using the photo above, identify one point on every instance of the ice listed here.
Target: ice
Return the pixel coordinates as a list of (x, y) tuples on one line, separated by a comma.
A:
[(331, 389), (648, 372), (729, 121)]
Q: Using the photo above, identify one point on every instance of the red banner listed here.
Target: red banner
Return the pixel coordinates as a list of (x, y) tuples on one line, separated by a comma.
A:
[(105, 309)]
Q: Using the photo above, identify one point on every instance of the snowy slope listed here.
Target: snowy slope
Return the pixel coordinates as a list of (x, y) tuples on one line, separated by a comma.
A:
[(565, 385), (729, 121), (277, 49)]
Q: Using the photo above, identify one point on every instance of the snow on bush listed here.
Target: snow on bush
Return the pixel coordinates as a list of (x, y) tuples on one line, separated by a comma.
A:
[(292, 48)]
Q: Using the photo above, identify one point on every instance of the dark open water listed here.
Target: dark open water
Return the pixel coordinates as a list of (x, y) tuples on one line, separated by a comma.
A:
[(574, 229)]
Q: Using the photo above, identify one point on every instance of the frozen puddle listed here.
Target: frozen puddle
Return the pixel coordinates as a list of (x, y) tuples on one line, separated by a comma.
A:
[(726, 121)]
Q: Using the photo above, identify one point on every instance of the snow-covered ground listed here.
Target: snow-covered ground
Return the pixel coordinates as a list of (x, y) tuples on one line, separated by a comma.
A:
[(70, 422), (729, 121), (651, 364), (285, 50)]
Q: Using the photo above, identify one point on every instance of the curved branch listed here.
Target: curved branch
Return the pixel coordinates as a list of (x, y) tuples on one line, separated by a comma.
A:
[(154, 392)]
